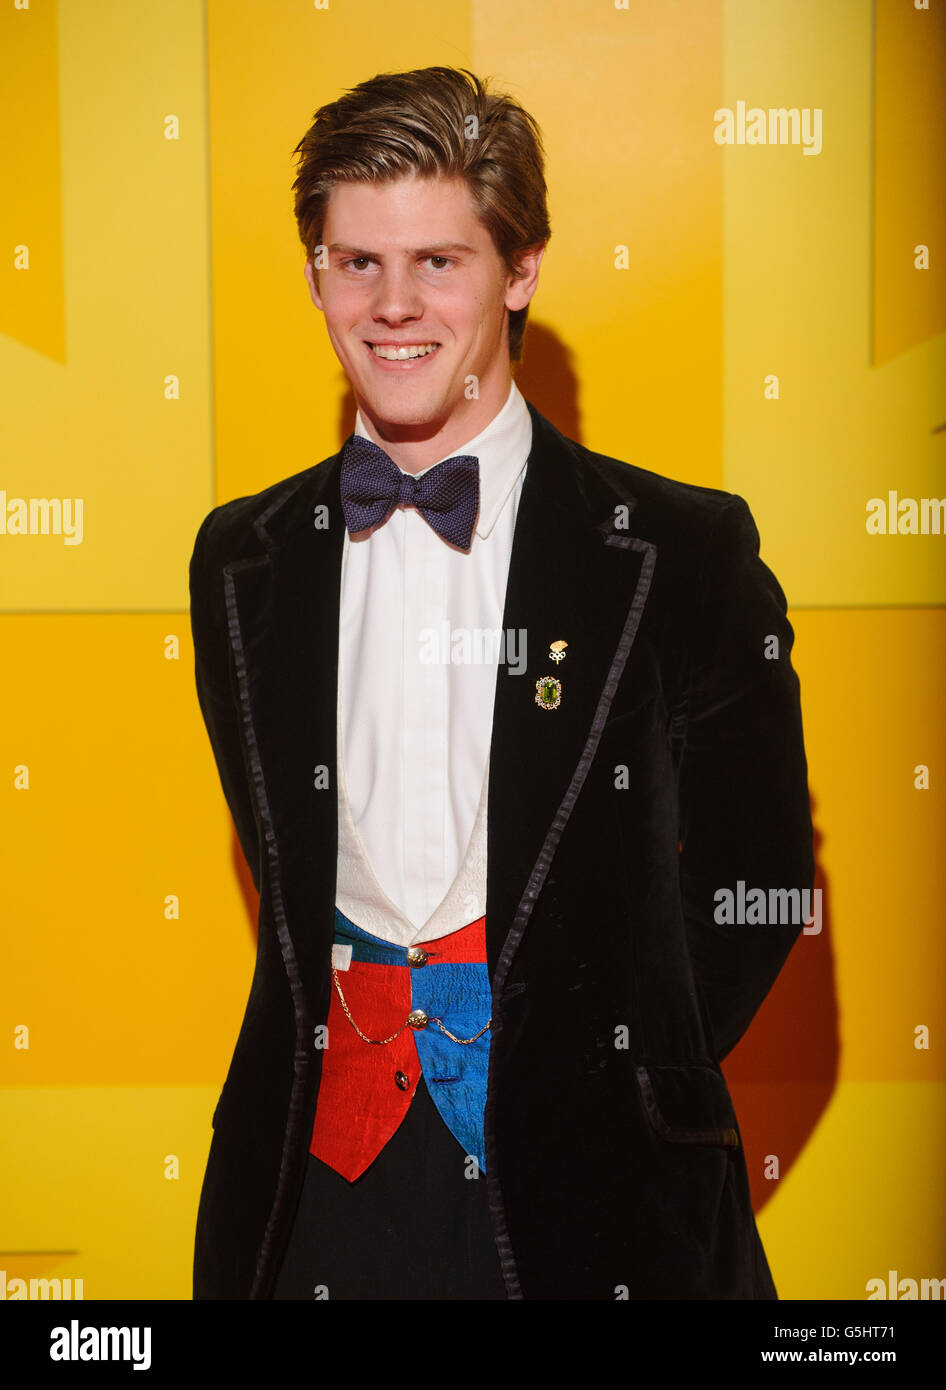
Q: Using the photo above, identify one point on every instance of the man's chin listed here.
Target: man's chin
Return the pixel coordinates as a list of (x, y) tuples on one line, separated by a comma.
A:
[(407, 410)]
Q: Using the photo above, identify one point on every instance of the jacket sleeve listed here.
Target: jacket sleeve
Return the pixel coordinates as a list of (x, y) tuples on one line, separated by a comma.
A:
[(744, 803), (217, 694)]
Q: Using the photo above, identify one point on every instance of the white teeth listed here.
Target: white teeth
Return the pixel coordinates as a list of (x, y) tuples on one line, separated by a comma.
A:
[(401, 354)]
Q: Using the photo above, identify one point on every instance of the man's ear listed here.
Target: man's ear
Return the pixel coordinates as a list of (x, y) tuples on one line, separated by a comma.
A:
[(312, 280), (520, 288)]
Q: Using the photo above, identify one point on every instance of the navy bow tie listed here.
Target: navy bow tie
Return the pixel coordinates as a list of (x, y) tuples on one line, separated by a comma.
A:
[(448, 496)]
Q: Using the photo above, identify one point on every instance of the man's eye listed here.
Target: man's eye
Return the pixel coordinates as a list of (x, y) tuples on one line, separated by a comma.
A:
[(356, 262)]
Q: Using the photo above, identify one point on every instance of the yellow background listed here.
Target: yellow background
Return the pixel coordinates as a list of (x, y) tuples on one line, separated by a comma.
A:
[(153, 257)]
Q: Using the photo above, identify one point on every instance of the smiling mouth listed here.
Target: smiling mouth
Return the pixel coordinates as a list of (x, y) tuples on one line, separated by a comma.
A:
[(393, 352)]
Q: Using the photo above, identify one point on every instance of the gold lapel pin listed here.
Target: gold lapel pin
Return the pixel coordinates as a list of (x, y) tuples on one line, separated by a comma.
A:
[(557, 650)]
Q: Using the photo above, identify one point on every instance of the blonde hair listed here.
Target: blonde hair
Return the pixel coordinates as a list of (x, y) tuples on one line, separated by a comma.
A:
[(420, 122)]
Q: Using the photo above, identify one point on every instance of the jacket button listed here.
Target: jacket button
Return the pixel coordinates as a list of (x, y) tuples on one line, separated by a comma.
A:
[(402, 1080), (417, 1018), (416, 956)]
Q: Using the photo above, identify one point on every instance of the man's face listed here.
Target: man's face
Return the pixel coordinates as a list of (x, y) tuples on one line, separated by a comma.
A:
[(410, 266)]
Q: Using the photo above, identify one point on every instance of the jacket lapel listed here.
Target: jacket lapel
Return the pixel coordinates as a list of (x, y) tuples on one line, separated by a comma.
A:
[(283, 619), (574, 565)]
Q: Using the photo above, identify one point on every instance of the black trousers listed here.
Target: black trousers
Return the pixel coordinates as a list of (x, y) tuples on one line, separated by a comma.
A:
[(413, 1226)]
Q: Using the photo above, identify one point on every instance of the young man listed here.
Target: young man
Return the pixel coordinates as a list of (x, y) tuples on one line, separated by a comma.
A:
[(480, 1057)]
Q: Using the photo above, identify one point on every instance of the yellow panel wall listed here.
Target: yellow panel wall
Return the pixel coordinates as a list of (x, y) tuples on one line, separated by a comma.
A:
[(159, 353)]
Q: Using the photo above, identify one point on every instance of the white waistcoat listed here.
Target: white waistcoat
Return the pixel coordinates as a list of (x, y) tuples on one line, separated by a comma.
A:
[(363, 901)]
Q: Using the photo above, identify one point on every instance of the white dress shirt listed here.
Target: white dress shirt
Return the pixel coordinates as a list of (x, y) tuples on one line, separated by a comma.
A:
[(414, 717)]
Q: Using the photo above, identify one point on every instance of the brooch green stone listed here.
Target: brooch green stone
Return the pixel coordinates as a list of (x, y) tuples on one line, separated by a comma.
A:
[(548, 692)]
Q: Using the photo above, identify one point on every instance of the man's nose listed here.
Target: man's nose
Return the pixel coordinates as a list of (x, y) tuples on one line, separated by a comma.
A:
[(397, 295)]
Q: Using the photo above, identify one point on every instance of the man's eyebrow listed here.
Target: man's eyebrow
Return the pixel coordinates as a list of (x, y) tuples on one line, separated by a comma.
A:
[(437, 250)]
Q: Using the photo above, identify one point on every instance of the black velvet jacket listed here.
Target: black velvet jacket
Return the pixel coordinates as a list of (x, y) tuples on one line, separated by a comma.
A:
[(673, 767)]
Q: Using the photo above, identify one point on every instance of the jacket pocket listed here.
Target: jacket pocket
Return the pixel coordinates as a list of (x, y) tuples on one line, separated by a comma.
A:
[(688, 1104)]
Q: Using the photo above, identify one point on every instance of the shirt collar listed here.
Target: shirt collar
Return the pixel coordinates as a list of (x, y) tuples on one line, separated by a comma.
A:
[(502, 448)]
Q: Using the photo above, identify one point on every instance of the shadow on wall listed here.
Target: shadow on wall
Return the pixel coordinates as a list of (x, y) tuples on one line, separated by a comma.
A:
[(782, 1074)]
